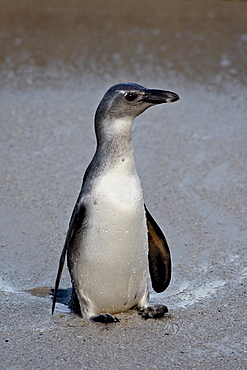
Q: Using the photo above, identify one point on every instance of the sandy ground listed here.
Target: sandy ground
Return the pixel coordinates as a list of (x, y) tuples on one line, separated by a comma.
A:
[(57, 58)]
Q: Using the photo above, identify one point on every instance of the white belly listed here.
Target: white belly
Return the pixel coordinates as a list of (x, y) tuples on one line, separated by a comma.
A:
[(112, 267)]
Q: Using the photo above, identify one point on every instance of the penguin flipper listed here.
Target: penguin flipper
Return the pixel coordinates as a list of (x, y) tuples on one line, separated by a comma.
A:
[(158, 255), (75, 223), (59, 273)]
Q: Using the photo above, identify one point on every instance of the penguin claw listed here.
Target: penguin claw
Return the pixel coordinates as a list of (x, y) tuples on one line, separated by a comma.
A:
[(153, 312), (104, 318)]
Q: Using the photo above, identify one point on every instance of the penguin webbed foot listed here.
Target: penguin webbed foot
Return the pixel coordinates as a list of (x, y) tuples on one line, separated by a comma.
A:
[(153, 312), (104, 318)]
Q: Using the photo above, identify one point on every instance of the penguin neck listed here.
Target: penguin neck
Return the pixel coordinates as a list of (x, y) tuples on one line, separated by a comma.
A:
[(114, 144)]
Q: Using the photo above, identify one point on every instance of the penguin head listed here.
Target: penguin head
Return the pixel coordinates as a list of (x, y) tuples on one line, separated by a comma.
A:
[(129, 100)]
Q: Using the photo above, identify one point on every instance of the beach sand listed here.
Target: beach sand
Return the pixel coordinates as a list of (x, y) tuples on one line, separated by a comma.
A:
[(57, 58)]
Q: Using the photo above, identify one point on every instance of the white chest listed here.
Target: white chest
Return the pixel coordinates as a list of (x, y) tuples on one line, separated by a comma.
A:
[(114, 249), (117, 211)]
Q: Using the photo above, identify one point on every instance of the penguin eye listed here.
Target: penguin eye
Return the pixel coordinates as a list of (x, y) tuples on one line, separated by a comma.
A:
[(131, 96)]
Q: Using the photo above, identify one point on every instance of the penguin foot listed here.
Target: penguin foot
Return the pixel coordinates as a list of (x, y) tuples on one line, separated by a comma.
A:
[(153, 312), (104, 318)]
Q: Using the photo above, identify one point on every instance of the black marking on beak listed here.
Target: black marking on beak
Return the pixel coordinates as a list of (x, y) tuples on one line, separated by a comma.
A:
[(160, 96)]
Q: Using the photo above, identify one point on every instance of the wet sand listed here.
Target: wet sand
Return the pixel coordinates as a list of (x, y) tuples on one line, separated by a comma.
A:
[(57, 59)]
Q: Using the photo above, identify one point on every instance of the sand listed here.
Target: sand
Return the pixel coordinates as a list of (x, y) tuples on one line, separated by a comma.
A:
[(57, 59)]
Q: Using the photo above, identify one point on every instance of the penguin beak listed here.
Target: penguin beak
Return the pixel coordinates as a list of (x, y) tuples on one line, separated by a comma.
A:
[(160, 96)]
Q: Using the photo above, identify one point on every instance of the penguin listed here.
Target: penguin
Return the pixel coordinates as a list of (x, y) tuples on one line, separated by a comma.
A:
[(112, 239)]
